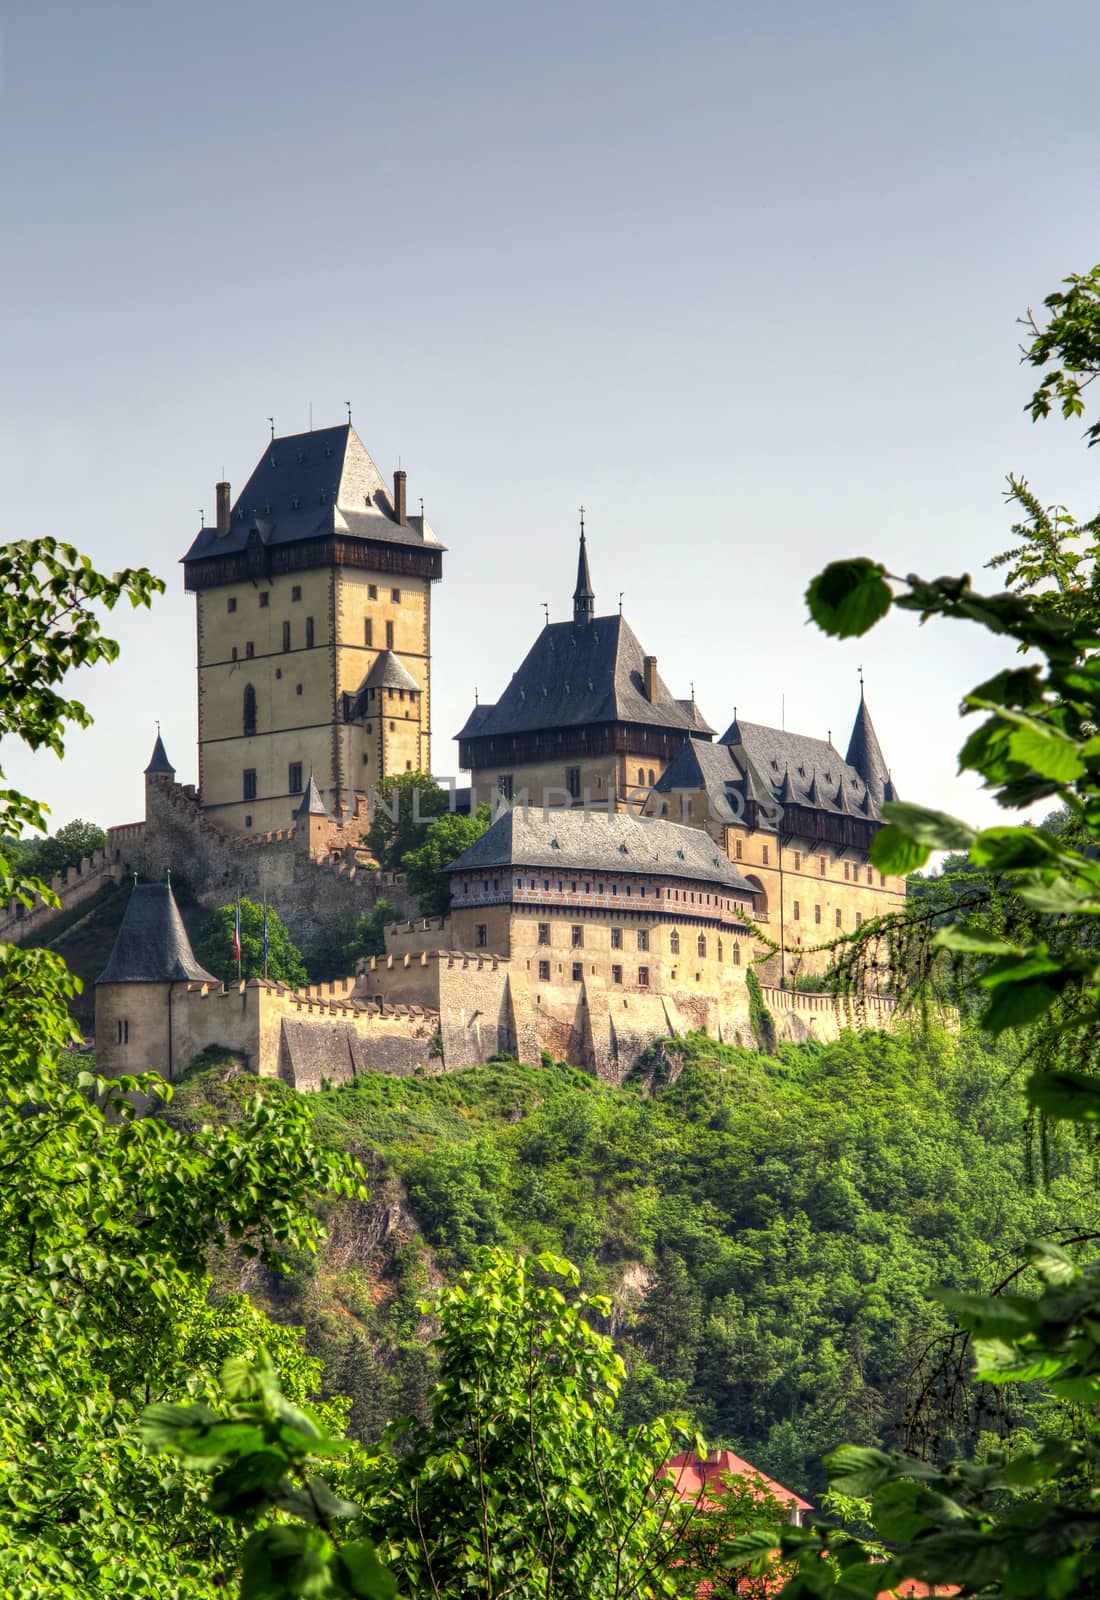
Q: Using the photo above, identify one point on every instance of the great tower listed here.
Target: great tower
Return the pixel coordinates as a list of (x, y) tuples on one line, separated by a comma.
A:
[(313, 615)]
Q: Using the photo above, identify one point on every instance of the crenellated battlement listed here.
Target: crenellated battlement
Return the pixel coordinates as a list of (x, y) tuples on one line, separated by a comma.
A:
[(71, 888)]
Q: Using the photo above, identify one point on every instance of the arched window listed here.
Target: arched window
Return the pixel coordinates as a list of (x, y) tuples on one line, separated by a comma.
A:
[(641, 776), (674, 942), (651, 777), (701, 944), (249, 709), (721, 950), (736, 954)]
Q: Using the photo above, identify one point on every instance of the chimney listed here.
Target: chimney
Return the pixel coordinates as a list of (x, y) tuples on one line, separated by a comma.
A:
[(221, 491), (399, 496), (649, 668)]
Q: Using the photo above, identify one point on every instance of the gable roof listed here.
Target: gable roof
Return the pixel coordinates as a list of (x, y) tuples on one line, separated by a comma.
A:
[(528, 836), (580, 673), (695, 1476), (310, 486), (152, 944)]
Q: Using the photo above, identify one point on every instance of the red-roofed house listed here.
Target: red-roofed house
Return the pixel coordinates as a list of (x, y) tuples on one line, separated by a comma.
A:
[(697, 1479)]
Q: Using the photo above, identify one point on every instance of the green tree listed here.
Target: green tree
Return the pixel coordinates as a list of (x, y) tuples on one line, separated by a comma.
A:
[(370, 931), (671, 1321), (214, 946), (106, 1217), (401, 809), (65, 848), (518, 1484), (443, 843)]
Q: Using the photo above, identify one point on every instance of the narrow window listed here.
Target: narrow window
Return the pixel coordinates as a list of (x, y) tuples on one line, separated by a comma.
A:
[(248, 822), (506, 785), (298, 690), (265, 599), (674, 942), (389, 635), (249, 650), (721, 950), (870, 876), (573, 782), (234, 652), (296, 592), (616, 974), (578, 971), (881, 879), (797, 860), (859, 918), (294, 777), (736, 955), (838, 916), (309, 633), (821, 861), (643, 977), (737, 850), (764, 854), (372, 591), (249, 710), (395, 596), (481, 935), (641, 776), (616, 938), (817, 913), (651, 777), (701, 945), (577, 936), (544, 972), (368, 632), (231, 603), (544, 933), (286, 635), (643, 938), (797, 912), (249, 783), (847, 872)]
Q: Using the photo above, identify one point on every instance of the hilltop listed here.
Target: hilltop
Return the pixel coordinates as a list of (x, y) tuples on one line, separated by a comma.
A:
[(768, 1229)]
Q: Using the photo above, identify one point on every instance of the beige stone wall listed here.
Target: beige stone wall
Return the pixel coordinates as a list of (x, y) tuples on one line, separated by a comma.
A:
[(131, 1028), (72, 887), (604, 777), (294, 695), (398, 737)]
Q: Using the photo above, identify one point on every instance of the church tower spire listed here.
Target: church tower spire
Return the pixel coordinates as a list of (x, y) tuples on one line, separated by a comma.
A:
[(865, 753), (584, 598)]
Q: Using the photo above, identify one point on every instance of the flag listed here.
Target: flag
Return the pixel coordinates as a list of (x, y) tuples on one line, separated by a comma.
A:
[(265, 935), (237, 935)]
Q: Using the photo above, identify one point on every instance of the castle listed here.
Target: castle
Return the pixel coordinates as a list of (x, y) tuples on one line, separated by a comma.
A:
[(636, 870)]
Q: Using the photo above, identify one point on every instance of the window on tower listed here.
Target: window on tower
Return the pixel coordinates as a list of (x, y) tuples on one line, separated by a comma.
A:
[(286, 635), (249, 710), (231, 603), (294, 777), (389, 635), (395, 596), (368, 632), (265, 599), (296, 591), (249, 784), (309, 633)]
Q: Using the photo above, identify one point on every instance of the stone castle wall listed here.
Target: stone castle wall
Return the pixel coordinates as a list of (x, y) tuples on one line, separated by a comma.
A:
[(72, 887), (313, 874)]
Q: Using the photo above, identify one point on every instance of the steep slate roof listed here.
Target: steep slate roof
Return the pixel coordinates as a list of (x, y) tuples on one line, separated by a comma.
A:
[(794, 769), (311, 804), (309, 486), (865, 755), (158, 761), (698, 764), (389, 673), (575, 674), (152, 944), (571, 841)]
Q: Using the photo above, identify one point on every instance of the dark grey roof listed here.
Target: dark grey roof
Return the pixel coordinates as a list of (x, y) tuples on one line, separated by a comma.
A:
[(575, 674), (311, 803), (701, 765), (584, 596), (152, 944), (528, 836), (865, 755), (794, 769), (158, 761), (698, 721), (309, 486), (389, 673)]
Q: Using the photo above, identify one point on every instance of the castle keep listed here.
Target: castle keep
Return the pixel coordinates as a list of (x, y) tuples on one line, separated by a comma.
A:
[(637, 868)]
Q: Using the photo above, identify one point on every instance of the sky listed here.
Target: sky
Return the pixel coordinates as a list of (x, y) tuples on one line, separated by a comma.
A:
[(742, 279)]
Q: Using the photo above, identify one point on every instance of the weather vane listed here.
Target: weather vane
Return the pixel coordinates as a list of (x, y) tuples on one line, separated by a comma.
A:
[(271, 420), (348, 404), (582, 522), (546, 609)]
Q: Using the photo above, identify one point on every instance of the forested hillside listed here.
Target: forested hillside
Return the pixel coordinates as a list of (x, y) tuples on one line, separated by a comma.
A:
[(770, 1229)]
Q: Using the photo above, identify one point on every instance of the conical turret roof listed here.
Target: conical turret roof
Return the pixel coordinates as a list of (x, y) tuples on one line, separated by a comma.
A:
[(584, 596), (311, 803), (152, 944), (158, 761), (865, 753)]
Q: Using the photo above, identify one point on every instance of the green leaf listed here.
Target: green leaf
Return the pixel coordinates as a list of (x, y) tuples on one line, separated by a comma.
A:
[(992, 1316), (1014, 1005), (1052, 1264), (362, 1574), (894, 851), (849, 597), (965, 936), (934, 828), (1069, 1096), (1047, 752)]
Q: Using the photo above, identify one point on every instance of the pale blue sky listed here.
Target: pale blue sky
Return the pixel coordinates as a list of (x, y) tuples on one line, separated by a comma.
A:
[(742, 278)]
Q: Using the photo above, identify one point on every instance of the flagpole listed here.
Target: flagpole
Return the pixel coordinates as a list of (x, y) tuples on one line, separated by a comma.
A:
[(265, 935), (237, 934)]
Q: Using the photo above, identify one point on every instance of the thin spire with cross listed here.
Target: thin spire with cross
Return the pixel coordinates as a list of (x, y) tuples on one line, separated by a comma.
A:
[(271, 420), (861, 681), (584, 599), (348, 404), (621, 593), (546, 609)]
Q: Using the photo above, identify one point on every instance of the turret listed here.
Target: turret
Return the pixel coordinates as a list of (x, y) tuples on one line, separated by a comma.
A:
[(865, 755), (584, 598)]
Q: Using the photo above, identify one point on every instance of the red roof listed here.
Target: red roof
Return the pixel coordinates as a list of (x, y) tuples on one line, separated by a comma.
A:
[(695, 1477)]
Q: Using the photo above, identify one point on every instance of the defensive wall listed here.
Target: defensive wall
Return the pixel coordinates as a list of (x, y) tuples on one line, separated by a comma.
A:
[(315, 873), (72, 887)]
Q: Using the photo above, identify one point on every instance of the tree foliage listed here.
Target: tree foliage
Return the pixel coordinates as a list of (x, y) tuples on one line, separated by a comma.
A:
[(402, 807), (214, 946), (444, 842)]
